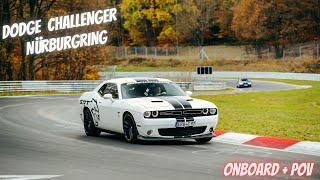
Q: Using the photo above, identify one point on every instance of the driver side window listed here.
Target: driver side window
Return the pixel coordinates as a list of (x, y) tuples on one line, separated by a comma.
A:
[(109, 88)]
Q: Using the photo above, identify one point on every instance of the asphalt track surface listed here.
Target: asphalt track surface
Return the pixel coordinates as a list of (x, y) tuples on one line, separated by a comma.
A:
[(257, 86), (44, 136)]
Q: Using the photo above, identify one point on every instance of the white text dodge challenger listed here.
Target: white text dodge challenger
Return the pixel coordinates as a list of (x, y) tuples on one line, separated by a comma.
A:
[(147, 109)]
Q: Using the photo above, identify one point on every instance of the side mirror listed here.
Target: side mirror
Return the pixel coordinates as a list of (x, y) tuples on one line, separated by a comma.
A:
[(188, 93), (108, 96)]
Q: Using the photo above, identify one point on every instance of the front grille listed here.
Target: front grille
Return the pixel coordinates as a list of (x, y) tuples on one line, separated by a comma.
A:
[(181, 113), (170, 113), (187, 131), (193, 112)]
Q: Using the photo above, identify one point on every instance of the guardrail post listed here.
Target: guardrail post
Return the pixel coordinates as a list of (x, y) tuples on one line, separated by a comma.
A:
[(177, 51), (118, 51), (155, 51), (166, 51), (283, 54), (300, 51), (125, 52), (318, 50), (146, 51), (135, 51)]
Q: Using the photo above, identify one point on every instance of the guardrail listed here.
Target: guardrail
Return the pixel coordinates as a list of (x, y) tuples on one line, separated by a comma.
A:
[(62, 86), (221, 74), (209, 86)]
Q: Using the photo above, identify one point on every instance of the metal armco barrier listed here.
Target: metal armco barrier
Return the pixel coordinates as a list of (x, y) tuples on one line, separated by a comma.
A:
[(61, 86), (209, 86)]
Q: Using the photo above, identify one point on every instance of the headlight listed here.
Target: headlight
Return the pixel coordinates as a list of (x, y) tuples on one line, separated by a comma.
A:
[(213, 111), (147, 114), (154, 113), (205, 111)]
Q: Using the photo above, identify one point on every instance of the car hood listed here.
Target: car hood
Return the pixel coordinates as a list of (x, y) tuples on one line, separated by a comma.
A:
[(169, 103), (245, 81)]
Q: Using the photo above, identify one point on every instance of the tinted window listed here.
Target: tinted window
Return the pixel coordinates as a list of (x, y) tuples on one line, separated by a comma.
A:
[(135, 90), (109, 88)]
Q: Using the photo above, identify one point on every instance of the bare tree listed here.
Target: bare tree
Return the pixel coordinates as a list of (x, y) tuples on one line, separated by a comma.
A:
[(6, 45)]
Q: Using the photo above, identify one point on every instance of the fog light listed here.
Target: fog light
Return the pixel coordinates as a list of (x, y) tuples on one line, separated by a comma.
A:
[(149, 132), (211, 129)]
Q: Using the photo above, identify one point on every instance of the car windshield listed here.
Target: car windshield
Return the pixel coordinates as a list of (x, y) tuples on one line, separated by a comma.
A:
[(154, 89), (244, 79)]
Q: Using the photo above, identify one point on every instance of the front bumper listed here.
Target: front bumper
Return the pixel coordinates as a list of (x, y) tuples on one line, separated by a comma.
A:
[(144, 138), (244, 85), (164, 128)]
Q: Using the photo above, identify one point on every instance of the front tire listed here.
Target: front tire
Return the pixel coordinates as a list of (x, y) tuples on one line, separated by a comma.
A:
[(130, 129), (203, 140), (88, 124)]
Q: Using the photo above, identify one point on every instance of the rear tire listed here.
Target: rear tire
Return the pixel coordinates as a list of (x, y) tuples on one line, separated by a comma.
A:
[(203, 140), (88, 124), (130, 129)]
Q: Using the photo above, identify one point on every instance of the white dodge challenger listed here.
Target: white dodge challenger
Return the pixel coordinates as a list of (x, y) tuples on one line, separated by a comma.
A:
[(147, 109)]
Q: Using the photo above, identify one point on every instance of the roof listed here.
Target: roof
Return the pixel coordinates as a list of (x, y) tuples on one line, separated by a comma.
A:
[(131, 80), (136, 79)]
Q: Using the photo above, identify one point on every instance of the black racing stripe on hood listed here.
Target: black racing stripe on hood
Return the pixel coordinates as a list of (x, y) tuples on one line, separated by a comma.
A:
[(184, 103), (172, 101)]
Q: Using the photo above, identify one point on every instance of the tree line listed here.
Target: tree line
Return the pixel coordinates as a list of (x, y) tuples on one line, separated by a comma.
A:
[(272, 23), (64, 65), (257, 23)]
